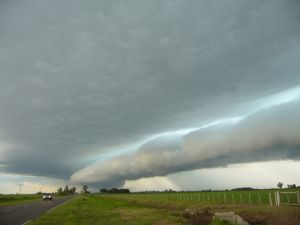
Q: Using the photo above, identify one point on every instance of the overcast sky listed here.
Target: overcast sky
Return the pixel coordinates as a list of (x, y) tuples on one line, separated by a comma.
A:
[(114, 93)]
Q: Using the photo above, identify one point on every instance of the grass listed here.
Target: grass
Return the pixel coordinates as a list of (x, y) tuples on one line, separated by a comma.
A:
[(17, 199), (105, 210), (164, 209)]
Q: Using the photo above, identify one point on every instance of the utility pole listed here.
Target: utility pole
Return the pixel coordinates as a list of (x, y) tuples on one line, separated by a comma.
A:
[(20, 187)]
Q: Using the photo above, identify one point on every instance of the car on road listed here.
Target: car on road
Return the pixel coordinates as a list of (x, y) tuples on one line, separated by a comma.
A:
[(47, 197)]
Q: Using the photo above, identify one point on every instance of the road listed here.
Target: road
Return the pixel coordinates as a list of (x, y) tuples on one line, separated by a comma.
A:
[(23, 213)]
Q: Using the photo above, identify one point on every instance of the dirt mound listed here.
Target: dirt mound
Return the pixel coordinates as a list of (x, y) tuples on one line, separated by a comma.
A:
[(199, 216)]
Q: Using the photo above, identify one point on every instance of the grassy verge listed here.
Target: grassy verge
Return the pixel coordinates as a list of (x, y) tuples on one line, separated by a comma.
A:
[(105, 210), (17, 199)]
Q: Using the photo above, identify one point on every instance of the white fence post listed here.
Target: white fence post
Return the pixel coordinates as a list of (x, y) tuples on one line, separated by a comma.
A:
[(278, 198), (270, 197), (298, 198)]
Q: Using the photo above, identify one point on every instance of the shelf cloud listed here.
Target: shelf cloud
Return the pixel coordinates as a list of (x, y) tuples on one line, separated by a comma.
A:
[(269, 134), (105, 91)]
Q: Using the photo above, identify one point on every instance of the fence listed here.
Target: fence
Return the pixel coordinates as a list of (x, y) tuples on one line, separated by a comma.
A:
[(287, 198), (257, 197)]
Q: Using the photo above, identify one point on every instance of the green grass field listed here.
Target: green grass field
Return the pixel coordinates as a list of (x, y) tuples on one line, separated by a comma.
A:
[(167, 208), (16, 199), (105, 210)]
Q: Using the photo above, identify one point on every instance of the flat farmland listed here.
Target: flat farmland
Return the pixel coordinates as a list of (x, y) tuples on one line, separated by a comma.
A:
[(170, 208)]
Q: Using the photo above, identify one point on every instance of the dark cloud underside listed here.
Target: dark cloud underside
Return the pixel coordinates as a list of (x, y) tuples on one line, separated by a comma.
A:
[(78, 77)]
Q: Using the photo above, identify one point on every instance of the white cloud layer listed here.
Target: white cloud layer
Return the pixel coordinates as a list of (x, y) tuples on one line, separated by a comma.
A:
[(269, 134)]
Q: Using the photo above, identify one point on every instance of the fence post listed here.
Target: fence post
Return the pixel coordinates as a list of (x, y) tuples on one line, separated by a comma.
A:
[(298, 198), (250, 199), (270, 197), (259, 201), (278, 198), (225, 198), (276, 202), (240, 198)]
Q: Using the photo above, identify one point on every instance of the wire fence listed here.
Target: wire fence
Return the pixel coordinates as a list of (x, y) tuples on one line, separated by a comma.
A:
[(255, 197)]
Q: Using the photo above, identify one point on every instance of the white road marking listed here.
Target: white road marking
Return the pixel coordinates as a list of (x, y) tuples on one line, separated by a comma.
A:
[(52, 209), (26, 222), (5, 210)]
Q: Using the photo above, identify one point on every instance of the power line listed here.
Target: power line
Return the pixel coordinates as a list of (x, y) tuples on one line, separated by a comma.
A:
[(20, 187)]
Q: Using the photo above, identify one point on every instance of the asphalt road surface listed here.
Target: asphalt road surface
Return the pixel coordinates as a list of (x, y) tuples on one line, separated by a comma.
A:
[(23, 213)]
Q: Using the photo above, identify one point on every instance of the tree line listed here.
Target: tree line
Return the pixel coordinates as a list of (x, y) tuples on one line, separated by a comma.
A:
[(66, 190), (280, 185), (114, 190), (72, 190)]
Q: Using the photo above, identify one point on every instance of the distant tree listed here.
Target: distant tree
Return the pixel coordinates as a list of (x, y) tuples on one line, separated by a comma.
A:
[(242, 189), (291, 186), (60, 191), (279, 185), (66, 190), (85, 189), (72, 190), (103, 190), (115, 190)]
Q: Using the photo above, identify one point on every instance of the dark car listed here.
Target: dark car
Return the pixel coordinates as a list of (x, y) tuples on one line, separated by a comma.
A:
[(47, 197)]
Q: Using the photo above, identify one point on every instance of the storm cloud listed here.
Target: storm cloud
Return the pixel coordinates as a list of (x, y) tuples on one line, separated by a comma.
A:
[(79, 80), (270, 134)]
